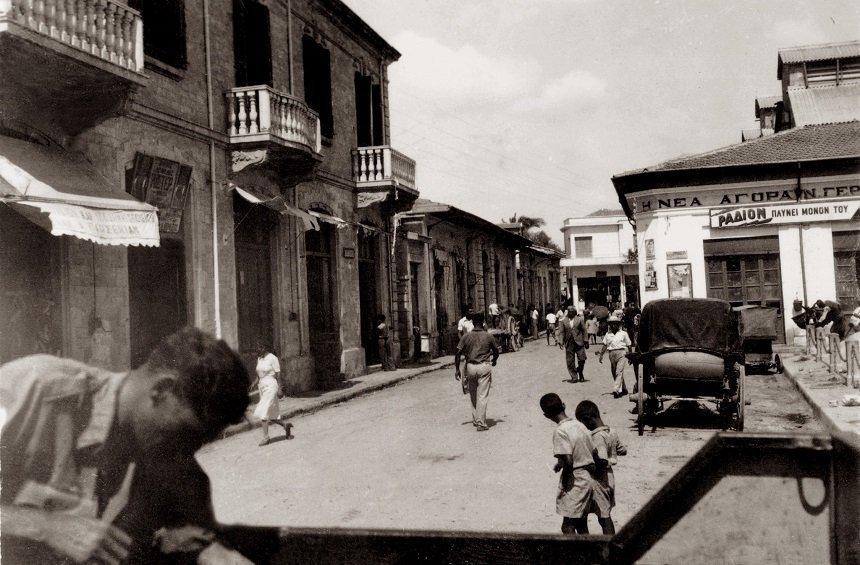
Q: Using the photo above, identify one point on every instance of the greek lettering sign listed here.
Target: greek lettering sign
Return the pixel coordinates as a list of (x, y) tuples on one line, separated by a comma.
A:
[(164, 184), (787, 214)]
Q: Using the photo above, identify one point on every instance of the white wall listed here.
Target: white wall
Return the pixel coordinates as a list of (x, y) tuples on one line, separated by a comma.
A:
[(610, 240)]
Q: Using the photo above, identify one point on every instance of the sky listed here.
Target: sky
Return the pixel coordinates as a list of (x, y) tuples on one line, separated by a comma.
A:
[(530, 106)]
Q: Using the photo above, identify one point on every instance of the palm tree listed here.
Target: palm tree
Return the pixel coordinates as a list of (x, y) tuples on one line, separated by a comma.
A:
[(531, 229)]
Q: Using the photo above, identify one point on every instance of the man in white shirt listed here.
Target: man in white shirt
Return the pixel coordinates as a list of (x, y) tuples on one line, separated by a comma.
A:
[(494, 314), (465, 324), (535, 330), (551, 320), (617, 343)]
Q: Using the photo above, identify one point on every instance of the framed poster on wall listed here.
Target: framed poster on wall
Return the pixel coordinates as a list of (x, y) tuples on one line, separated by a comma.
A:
[(680, 280)]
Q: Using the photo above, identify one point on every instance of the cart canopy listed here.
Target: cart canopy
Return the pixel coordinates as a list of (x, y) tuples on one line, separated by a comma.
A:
[(703, 324)]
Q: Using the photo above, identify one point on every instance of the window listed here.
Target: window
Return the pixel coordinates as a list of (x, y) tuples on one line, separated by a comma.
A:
[(317, 66), (846, 258), (163, 30), (252, 45), (582, 246)]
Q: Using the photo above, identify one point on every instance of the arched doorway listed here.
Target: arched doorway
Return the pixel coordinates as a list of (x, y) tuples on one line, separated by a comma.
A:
[(323, 321)]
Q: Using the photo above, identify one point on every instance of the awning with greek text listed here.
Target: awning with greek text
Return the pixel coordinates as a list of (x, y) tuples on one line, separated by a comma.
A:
[(280, 205), (64, 195)]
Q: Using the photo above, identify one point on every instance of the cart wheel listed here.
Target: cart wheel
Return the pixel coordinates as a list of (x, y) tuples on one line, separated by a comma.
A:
[(640, 405), (778, 362), (739, 425)]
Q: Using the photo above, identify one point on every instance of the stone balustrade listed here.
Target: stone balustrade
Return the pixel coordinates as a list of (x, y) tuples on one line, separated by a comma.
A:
[(257, 113), (382, 164), (105, 29)]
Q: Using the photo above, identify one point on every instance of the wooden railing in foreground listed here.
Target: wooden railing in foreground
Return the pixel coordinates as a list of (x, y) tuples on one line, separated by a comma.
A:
[(833, 459)]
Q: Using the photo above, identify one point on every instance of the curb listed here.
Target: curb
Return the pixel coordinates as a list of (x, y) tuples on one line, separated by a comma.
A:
[(816, 408), (247, 424)]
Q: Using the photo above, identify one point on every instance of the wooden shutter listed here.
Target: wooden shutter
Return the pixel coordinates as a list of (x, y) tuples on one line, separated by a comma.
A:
[(378, 110), (240, 41), (362, 110)]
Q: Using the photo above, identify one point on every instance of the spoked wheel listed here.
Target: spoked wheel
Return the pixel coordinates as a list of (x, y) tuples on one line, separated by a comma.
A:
[(640, 405), (739, 409)]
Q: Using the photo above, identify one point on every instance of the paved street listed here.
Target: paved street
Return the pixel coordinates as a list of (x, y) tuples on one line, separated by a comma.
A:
[(408, 456)]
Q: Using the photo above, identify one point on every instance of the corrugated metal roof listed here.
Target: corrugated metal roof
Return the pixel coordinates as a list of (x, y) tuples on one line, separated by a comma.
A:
[(767, 101), (820, 52), (825, 104), (808, 143)]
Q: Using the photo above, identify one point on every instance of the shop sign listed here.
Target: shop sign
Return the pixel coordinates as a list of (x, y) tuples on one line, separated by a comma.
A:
[(676, 255), (747, 196), (788, 214), (164, 184)]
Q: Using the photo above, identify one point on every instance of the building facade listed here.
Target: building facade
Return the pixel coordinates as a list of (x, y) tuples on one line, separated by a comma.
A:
[(449, 261), (260, 132), (769, 221), (600, 263)]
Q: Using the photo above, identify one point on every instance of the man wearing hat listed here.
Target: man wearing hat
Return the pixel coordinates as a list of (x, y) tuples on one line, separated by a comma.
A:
[(573, 337), (617, 343)]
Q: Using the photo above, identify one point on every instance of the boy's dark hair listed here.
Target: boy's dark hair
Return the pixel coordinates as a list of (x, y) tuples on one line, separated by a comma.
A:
[(211, 377), (551, 404), (478, 318), (587, 411)]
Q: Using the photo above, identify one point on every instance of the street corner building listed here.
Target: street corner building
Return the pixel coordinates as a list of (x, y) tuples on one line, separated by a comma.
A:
[(450, 260), (600, 263), (772, 219), (231, 169)]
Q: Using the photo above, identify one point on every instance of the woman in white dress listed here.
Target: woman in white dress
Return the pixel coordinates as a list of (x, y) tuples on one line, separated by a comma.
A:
[(269, 409)]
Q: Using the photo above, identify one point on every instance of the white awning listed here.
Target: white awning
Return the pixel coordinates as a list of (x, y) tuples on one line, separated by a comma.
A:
[(62, 194), (329, 219), (279, 205)]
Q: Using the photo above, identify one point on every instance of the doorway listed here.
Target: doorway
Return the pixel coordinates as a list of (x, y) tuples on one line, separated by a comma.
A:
[(367, 297), (441, 309), (255, 227), (156, 296), (323, 326), (600, 291)]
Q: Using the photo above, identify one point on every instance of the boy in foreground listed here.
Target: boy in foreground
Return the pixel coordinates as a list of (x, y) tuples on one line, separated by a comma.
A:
[(607, 448), (572, 447)]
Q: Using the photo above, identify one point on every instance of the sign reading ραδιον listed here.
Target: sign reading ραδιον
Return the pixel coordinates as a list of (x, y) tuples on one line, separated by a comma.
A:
[(789, 214)]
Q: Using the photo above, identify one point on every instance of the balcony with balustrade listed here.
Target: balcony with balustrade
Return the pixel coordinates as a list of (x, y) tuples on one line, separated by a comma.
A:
[(70, 62), (380, 169), (272, 129)]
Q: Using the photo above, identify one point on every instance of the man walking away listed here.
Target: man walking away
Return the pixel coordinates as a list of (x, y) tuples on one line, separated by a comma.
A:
[(617, 343), (480, 352), (573, 337), (551, 321)]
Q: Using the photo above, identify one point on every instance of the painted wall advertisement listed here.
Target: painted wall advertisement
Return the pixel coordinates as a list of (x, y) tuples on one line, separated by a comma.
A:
[(783, 214)]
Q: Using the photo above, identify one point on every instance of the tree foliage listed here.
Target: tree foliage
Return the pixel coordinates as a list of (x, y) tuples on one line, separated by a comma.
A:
[(531, 228)]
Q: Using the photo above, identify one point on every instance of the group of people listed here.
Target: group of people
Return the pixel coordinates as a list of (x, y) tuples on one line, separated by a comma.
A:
[(585, 449)]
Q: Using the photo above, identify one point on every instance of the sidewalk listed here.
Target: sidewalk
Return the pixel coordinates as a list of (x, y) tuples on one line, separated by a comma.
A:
[(311, 401), (822, 390)]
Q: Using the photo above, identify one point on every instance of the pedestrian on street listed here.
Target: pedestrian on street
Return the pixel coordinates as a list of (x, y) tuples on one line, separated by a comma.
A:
[(465, 324), (559, 320), (495, 312), (268, 410), (607, 448), (551, 321), (573, 450), (591, 329), (99, 466), (480, 352), (535, 329), (573, 337), (383, 343), (617, 343)]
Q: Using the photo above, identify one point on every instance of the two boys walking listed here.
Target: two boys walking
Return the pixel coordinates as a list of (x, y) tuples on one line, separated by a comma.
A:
[(585, 449)]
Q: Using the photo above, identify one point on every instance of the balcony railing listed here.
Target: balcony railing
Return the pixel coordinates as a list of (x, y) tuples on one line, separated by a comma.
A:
[(262, 114), (103, 28), (379, 165)]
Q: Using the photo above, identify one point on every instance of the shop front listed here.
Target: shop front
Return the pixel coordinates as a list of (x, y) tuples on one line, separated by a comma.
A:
[(765, 223)]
